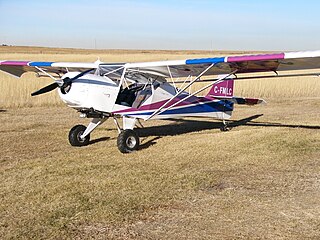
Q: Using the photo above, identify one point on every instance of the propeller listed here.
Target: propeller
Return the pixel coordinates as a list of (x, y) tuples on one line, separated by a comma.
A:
[(65, 82), (46, 89)]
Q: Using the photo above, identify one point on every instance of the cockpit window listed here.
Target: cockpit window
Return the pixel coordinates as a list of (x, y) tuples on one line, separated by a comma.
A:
[(114, 72), (134, 95)]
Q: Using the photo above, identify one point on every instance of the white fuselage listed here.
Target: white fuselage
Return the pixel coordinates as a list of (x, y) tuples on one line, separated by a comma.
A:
[(101, 94), (90, 91)]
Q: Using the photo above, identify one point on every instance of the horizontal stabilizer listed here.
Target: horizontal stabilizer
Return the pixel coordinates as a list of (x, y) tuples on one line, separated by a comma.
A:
[(243, 101), (248, 101)]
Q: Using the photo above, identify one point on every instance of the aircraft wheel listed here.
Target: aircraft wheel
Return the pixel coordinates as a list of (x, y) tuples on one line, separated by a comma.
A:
[(74, 136), (128, 141), (224, 129)]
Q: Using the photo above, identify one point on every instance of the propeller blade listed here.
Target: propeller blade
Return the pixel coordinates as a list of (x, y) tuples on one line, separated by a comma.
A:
[(69, 80), (54, 85), (46, 89), (82, 73)]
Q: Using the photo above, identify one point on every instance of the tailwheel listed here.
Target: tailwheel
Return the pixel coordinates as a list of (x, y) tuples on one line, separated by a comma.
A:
[(74, 136), (128, 141), (225, 129)]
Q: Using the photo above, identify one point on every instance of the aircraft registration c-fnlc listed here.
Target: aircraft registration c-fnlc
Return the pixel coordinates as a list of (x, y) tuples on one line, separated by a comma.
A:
[(147, 90)]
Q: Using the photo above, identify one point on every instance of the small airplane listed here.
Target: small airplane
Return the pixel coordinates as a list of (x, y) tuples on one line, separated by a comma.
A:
[(148, 90)]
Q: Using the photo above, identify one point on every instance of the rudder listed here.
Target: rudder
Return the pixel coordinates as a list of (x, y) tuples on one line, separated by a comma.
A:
[(223, 89)]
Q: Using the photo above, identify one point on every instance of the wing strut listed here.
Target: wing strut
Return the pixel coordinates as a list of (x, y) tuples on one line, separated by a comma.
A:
[(47, 74), (195, 93), (181, 90), (172, 78)]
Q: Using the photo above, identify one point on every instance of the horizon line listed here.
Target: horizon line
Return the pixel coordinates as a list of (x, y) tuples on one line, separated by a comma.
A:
[(139, 49)]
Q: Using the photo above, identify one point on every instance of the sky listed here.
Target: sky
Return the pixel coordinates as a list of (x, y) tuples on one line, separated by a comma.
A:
[(287, 25)]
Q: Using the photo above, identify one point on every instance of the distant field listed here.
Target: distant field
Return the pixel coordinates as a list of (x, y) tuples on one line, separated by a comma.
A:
[(16, 92)]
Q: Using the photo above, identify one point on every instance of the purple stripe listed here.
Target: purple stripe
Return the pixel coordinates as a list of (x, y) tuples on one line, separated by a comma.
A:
[(154, 106), (207, 107), (256, 57), (15, 63)]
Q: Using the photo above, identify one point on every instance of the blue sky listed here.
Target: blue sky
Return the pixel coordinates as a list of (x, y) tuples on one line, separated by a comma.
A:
[(123, 24)]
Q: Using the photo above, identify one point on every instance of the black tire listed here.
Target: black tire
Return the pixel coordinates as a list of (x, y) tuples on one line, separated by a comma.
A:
[(128, 141), (74, 136)]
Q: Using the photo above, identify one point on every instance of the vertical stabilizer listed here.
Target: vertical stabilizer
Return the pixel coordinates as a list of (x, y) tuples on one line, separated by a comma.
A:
[(223, 89)]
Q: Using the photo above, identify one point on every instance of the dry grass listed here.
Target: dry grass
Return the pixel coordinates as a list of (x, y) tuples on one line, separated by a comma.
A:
[(189, 180), (288, 87), (16, 92)]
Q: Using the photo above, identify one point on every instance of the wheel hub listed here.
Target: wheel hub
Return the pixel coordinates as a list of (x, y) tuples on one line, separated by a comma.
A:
[(131, 142), (79, 137)]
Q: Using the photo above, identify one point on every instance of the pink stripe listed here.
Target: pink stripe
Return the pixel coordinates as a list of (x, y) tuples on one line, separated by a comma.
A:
[(15, 63), (256, 57), (154, 106)]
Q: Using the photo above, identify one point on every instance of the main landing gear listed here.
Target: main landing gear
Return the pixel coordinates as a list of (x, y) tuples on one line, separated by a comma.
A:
[(127, 141)]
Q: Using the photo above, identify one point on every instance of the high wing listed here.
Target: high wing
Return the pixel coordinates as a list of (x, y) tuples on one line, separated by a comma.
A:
[(231, 64), (18, 68), (181, 68)]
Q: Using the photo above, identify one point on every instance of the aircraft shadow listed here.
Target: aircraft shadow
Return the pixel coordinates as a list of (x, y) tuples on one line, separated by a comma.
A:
[(149, 143), (183, 126), (102, 139), (187, 126), (266, 124), (247, 122)]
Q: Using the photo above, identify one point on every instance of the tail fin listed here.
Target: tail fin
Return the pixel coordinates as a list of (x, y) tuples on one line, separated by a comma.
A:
[(223, 89)]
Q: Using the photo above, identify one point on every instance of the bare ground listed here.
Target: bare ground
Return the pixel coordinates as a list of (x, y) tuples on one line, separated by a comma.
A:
[(189, 180)]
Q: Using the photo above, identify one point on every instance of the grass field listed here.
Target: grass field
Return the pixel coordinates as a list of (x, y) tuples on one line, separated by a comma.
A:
[(188, 181)]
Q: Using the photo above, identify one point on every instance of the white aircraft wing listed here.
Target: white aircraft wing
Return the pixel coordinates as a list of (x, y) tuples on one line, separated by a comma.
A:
[(180, 68), (229, 64), (18, 68)]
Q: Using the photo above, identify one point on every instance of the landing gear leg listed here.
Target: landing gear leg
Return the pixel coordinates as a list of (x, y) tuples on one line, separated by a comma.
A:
[(79, 135), (74, 136)]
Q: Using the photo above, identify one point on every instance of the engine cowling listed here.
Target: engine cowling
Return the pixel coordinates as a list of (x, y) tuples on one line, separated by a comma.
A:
[(89, 91)]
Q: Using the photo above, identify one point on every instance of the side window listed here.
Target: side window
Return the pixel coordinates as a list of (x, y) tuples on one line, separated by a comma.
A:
[(142, 95)]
